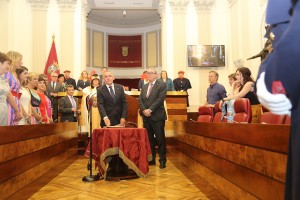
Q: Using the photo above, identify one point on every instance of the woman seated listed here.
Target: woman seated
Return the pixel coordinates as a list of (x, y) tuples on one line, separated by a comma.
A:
[(246, 90)]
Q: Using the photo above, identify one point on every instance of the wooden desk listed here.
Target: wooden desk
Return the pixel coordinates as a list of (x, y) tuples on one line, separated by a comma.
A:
[(176, 104), (242, 161), (131, 144)]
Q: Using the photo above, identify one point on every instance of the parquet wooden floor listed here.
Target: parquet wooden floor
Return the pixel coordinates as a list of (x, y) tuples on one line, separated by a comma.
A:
[(167, 183), (174, 182)]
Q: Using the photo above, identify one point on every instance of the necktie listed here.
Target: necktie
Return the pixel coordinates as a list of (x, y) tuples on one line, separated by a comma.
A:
[(149, 91), (112, 93), (73, 104), (53, 85)]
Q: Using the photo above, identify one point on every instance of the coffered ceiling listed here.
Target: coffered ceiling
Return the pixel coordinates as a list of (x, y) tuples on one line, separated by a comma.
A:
[(124, 13)]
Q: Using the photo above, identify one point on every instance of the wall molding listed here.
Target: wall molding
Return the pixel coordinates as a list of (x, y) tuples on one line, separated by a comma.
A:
[(38, 4)]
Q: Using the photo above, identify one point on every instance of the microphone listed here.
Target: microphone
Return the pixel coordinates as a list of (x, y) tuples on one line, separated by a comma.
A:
[(66, 121), (40, 122), (54, 121), (89, 101), (192, 120), (260, 54)]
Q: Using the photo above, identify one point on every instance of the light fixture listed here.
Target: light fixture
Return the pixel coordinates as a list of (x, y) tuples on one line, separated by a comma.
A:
[(124, 12)]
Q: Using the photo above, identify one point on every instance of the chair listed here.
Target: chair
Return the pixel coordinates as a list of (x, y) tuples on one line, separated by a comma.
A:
[(269, 118), (242, 110), (218, 113), (206, 114)]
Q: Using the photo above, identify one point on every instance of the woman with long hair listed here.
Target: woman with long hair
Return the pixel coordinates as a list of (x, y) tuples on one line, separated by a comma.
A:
[(14, 84), (25, 97), (246, 90), (83, 80)]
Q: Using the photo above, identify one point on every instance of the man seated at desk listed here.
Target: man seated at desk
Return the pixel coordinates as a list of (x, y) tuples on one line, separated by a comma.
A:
[(112, 106)]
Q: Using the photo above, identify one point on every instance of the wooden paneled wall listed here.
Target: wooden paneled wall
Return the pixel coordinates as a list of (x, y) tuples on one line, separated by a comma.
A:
[(242, 161), (28, 152)]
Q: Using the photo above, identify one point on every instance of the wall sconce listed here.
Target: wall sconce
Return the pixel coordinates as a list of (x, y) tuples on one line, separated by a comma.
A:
[(124, 12)]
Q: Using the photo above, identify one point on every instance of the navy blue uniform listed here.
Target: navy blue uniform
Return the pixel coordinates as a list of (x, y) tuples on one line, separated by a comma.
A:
[(283, 67)]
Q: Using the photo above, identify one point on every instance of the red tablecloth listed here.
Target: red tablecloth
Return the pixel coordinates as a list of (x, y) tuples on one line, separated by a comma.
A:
[(131, 144)]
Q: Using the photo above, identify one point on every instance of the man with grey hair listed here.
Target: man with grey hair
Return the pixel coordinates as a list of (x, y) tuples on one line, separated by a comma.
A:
[(215, 91), (152, 99)]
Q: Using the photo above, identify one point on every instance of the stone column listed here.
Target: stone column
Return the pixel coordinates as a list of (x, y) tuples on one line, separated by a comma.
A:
[(85, 9), (178, 8), (203, 8), (67, 32), (39, 40)]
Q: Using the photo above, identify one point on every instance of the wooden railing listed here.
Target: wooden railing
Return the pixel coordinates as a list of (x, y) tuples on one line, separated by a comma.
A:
[(242, 161), (28, 152)]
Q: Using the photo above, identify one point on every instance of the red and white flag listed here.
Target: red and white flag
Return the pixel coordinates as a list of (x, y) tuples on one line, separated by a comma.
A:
[(52, 62)]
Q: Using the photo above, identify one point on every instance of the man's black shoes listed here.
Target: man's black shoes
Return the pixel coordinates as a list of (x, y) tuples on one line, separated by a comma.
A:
[(152, 162), (162, 165)]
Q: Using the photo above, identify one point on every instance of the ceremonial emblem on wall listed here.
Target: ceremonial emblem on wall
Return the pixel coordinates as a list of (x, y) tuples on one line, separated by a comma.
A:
[(118, 51), (124, 51), (53, 67)]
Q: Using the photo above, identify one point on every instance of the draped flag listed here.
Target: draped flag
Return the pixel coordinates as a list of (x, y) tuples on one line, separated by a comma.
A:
[(52, 62)]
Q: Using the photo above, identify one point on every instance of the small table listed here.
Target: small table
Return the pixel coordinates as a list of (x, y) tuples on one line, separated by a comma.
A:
[(131, 144)]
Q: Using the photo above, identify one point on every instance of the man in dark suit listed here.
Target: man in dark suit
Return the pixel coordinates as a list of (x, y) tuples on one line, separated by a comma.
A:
[(112, 103), (53, 87), (68, 106), (152, 99), (112, 106), (69, 80)]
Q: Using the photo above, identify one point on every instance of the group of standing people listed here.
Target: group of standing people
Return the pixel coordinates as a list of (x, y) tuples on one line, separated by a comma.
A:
[(179, 84)]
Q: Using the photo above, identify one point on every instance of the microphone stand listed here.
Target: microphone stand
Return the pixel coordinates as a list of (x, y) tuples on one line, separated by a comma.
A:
[(91, 177)]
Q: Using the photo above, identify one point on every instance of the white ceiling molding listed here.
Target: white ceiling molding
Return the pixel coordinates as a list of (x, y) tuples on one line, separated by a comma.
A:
[(178, 5), (231, 2), (161, 8), (204, 5), (86, 9), (110, 22), (39, 4), (67, 4)]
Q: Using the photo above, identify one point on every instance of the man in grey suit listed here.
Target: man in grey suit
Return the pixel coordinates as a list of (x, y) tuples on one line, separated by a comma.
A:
[(53, 87), (152, 99), (68, 106), (112, 103)]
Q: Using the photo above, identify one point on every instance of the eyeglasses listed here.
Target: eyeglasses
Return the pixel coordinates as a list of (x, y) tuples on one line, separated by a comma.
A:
[(150, 73)]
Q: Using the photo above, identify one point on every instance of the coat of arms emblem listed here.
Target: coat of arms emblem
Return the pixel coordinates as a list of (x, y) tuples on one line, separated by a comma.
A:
[(124, 51)]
